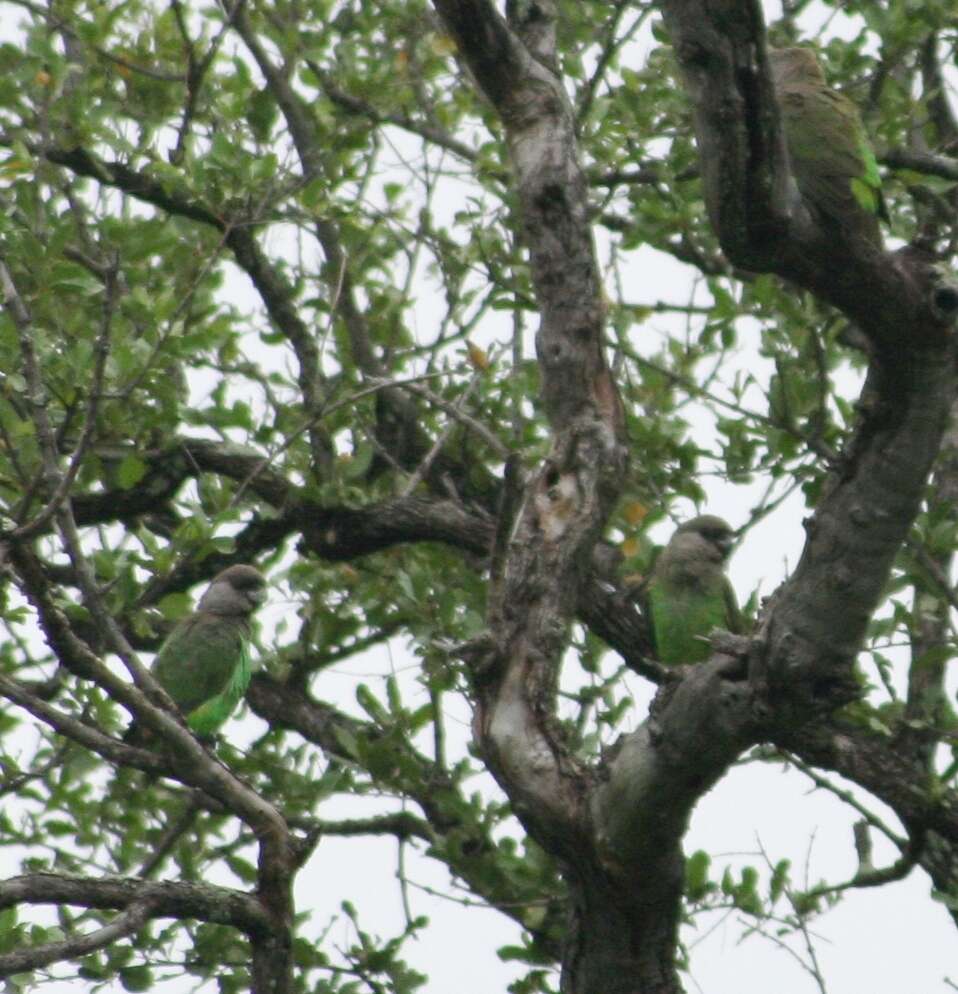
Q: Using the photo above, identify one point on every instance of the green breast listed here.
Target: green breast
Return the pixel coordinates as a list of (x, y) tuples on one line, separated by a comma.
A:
[(680, 620), (199, 659)]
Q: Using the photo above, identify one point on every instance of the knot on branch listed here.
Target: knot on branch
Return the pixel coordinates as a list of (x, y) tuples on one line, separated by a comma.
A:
[(557, 502), (482, 656), (944, 294), (735, 649)]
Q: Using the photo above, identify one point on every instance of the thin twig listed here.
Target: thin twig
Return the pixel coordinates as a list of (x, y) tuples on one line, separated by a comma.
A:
[(357, 106), (455, 411), (430, 457), (846, 796), (403, 882), (609, 51), (101, 350), (376, 385), (175, 831), (104, 53)]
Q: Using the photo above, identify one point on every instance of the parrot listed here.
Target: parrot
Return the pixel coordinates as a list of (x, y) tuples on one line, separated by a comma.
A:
[(204, 664), (688, 594), (831, 160)]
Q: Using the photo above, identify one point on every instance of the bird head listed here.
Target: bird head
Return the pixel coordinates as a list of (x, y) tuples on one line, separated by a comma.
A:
[(238, 590), (795, 65), (707, 536)]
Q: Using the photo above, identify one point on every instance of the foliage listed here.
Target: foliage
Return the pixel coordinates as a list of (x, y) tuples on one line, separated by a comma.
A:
[(277, 309)]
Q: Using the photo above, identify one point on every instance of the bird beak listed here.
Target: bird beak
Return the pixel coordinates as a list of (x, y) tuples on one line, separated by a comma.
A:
[(257, 596)]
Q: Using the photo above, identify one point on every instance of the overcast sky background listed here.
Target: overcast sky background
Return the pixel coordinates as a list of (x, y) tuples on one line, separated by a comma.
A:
[(884, 941)]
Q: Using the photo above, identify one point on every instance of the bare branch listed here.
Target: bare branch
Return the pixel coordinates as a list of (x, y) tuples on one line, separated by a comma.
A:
[(166, 898)]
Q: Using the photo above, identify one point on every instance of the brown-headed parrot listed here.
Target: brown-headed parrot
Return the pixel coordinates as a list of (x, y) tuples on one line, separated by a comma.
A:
[(688, 594), (204, 664), (831, 159)]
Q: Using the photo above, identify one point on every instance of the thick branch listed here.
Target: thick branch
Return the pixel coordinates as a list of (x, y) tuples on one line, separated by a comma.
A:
[(640, 811), (538, 570), (720, 49), (33, 957), (696, 730), (754, 204), (818, 619), (943, 166), (85, 735), (167, 899), (540, 130)]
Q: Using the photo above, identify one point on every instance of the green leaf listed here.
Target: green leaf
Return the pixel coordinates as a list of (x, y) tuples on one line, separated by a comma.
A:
[(22, 981), (728, 882), (697, 875), (370, 704), (357, 466), (949, 900), (245, 870), (346, 741), (779, 879), (130, 471), (136, 979)]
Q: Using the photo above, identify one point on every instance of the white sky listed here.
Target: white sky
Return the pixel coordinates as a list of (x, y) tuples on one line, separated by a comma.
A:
[(884, 941)]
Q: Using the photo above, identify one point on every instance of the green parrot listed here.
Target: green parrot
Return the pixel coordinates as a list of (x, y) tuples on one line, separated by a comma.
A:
[(688, 594), (204, 665), (831, 160)]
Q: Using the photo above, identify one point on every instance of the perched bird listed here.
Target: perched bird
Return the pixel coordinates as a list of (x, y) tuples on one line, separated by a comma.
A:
[(831, 160), (204, 665), (688, 594)]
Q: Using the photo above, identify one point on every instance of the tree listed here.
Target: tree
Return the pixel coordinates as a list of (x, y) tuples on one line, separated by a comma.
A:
[(411, 194)]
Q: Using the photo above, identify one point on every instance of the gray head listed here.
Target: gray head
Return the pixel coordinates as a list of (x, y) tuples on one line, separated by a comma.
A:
[(707, 537), (238, 590), (795, 65)]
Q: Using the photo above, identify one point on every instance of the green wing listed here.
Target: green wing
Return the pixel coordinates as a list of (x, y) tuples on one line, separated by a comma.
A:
[(867, 188), (833, 163), (208, 717), (205, 659), (681, 620), (734, 622)]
